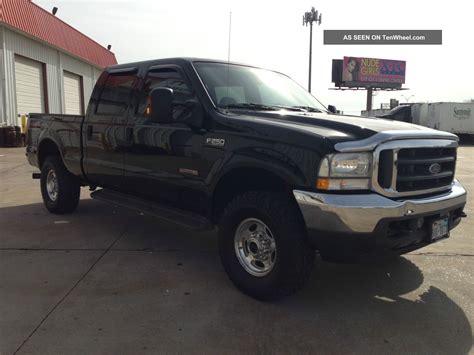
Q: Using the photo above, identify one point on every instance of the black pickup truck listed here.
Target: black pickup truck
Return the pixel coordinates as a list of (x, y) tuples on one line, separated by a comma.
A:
[(205, 143)]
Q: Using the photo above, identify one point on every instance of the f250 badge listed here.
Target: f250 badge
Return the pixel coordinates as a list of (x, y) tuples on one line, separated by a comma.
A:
[(215, 142)]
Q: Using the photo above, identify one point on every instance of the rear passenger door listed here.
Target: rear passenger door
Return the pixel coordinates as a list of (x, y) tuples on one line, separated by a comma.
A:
[(104, 128)]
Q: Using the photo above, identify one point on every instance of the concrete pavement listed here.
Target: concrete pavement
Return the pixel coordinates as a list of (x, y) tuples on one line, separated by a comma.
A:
[(108, 280)]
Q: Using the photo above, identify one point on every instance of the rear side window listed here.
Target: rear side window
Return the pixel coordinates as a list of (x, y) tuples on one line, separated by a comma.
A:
[(115, 94), (168, 78)]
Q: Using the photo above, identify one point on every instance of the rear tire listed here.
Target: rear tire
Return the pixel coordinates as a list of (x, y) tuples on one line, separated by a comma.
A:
[(263, 245), (59, 188)]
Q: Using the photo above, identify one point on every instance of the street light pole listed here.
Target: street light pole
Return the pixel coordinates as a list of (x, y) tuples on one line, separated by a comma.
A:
[(409, 97), (310, 17)]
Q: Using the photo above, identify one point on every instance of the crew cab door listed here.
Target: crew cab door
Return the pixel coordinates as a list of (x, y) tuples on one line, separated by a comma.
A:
[(104, 128), (164, 160)]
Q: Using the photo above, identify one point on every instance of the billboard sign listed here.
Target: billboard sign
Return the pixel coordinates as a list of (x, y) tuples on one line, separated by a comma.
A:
[(373, 71)]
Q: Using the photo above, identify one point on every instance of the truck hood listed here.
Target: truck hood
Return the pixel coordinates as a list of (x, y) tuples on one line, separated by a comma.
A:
[(336, 128)]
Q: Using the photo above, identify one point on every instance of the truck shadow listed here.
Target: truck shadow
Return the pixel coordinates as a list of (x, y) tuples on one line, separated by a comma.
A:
[(383, 307), (387, 305)]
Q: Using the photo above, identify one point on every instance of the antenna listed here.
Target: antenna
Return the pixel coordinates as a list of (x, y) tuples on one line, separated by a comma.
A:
[(230, 32), (228, 58)]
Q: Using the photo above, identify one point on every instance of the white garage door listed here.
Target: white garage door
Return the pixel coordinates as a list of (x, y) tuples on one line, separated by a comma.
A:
[(72, 94), (29, 86)]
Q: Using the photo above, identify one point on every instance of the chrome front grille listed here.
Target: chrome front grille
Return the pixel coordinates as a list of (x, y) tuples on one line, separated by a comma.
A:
[(425, 168), (414, 167)]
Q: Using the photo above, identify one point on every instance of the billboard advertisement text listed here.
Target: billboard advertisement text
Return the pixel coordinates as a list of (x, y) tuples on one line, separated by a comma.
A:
[(372, 70)]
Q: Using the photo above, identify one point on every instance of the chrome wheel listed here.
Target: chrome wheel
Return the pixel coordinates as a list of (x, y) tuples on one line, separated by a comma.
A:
[(255, 247), (52, 186)]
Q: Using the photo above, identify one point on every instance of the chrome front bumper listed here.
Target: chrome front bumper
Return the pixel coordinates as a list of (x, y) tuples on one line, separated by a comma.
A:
[(360, 213)]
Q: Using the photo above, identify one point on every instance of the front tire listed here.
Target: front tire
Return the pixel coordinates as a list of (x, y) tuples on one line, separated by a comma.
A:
[(263, 245), (59, 188)]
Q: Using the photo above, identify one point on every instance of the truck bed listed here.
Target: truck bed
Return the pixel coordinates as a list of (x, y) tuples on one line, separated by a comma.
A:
[(63, 130)]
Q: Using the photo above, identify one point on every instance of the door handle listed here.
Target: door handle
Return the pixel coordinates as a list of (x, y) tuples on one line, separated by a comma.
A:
[(89, 132)]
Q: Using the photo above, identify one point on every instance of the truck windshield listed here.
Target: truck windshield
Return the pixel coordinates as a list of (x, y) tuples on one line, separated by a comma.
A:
[(238, 86)]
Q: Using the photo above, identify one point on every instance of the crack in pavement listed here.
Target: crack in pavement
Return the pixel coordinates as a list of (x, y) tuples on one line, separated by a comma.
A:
[(51, 249), (71, 289), (179, 250), (107, 249), (8, 170), (439, 254)]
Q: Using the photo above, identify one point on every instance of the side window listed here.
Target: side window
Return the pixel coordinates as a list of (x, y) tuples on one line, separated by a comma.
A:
[(168, 78), (115, 95)]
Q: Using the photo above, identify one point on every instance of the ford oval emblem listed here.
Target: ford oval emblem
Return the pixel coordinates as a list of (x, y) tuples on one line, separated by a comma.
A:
[(435, 168)]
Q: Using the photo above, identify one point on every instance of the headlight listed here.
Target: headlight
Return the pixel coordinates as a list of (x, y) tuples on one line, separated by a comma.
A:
[(345, 171)]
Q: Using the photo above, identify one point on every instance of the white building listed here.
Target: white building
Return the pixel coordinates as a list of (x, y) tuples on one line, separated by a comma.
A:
[(46, 66)]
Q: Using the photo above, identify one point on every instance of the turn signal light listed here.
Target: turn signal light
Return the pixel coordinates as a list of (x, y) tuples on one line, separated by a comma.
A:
[(322, 184)]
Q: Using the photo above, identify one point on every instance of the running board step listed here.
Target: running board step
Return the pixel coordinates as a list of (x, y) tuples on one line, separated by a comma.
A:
[(184, 218)]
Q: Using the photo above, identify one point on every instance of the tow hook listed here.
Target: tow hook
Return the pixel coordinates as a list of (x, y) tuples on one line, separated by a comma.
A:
[(463, 214)]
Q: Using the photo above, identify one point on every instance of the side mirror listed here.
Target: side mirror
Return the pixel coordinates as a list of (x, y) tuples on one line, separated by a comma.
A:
[(332, 109), (195, 116), (162, 104)]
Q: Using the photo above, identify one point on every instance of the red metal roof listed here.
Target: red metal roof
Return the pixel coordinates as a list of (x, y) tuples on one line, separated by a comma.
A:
[(35, 21)]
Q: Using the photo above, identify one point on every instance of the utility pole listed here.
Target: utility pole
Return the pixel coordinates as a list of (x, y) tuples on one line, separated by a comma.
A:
[(310, 17)]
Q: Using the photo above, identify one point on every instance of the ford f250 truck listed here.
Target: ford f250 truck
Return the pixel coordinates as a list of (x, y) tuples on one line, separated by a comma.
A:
[(205, 143)]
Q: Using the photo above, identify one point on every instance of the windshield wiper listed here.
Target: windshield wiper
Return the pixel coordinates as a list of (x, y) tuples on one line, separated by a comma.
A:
[(249, 106), (255, 106), (289, 108), (308, 108)]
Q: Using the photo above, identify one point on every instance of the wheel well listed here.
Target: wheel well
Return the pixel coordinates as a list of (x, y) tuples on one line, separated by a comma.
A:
[(241, 180), (47, 148)]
